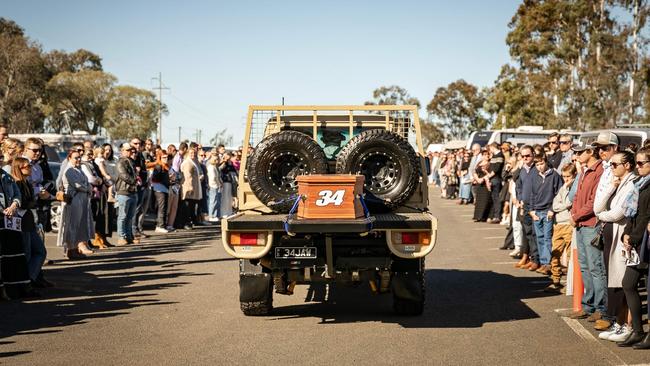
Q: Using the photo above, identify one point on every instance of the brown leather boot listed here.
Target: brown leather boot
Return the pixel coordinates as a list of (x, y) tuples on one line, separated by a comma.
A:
[(523, 261), (99, 242), (533, 266)]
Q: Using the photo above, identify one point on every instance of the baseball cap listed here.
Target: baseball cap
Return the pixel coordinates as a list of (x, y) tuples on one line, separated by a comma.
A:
[(606, 138), (126, 146)]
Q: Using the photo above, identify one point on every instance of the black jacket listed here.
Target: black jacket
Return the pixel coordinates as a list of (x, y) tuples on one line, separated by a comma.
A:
[(126, 182), (555, 159), (139, 161), (637, 225)]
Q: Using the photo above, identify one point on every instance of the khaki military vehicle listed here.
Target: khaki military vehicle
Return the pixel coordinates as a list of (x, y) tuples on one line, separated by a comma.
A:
[(384, 248)]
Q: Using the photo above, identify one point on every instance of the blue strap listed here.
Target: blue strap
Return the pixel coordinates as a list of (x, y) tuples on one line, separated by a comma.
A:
[(290, 215), (365, 210)]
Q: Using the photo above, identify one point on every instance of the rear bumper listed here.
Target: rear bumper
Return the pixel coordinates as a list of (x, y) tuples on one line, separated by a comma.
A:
[(386, 223), (391, 221)]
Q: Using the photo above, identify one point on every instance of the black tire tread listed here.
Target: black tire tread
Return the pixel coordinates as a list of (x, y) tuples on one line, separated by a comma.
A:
[(257, 308), (278, 142), (343, 163)]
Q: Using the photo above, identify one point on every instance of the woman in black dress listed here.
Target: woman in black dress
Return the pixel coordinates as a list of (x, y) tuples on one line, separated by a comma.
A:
[(482, 189), (13, 264)]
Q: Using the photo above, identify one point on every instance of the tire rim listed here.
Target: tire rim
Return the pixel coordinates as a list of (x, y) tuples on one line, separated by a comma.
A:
[(284, 169), (380, 171)]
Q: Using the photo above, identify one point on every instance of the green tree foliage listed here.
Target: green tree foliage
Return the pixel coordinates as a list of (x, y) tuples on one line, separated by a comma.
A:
[(431, 133), (392, 95), (512, 104), (459, 107), (22, 79), (58, 61), (84, 95), (131, 112), (60, 91), (577, 64), (396, 95)]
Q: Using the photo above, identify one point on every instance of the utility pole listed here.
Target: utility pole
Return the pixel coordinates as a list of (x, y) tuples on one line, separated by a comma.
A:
[(160, 88), (179, 134)]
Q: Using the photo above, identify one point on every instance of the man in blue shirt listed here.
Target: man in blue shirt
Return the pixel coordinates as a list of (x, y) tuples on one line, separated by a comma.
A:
[(545, 184)]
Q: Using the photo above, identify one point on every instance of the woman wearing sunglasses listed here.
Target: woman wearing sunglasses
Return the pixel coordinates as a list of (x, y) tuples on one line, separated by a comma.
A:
[(608, 207), (635, 241)]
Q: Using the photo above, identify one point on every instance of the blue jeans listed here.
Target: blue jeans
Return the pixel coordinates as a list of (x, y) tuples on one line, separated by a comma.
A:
[(125, 215), (214, 203), (592, 268), (544, 233), (35, 253)]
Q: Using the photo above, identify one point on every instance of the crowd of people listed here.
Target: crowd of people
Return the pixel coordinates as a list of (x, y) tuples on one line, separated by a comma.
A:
[(100, 194), (549, 196)]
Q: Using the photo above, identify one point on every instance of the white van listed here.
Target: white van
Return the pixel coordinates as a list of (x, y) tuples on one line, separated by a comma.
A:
[(625, 136), (523, 135)]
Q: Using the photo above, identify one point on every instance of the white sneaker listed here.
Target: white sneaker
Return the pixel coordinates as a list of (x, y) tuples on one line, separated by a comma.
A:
[(515, 253), (621, 335), (610, 331), (161, 230)]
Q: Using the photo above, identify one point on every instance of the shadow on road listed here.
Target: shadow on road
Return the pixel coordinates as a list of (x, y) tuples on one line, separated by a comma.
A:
[(107, 284), (454, 299)]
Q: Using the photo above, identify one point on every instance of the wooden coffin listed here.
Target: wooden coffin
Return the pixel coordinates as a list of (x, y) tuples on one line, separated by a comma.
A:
[(331, 196)]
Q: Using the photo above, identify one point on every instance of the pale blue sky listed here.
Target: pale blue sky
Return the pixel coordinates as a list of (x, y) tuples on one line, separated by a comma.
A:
[(218, 57)]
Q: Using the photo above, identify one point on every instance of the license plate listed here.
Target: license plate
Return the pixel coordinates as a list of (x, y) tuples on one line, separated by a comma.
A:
[(295, 252)]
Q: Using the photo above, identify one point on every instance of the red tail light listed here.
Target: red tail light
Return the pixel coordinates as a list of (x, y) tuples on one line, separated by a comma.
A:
[(411, 237), (247, 239)]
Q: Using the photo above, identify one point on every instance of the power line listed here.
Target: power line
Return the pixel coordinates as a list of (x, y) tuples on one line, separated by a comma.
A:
[(197, 112), (160, 88)]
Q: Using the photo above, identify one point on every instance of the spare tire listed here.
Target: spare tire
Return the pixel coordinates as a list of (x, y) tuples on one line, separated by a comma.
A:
[(389, 164), (277, 161)]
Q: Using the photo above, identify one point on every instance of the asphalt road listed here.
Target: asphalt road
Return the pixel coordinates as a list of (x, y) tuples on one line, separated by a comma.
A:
[(174, 300)]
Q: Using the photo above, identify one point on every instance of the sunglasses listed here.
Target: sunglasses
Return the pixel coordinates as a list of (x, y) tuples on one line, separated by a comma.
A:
[(35, 151), (641, 163), (553, 142), (525, 156), (616, 165), (565, 142), (77, 158)]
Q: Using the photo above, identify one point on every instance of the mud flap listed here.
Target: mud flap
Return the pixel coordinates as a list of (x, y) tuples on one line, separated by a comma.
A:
[(254, 287), (407, 286)]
